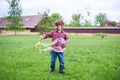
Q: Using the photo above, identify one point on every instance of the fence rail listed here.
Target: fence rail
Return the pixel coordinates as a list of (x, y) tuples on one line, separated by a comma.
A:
[(109, 30)]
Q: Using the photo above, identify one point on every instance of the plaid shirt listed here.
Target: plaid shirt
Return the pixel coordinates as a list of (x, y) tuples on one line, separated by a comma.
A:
[(55, 35)]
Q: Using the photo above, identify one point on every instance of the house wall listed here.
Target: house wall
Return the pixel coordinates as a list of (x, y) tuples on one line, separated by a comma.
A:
[(93, 30), (114, 30), (1, 31), (13, 32)]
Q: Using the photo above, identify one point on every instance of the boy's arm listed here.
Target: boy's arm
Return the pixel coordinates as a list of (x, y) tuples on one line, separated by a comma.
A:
[(47, 35), (66, 39)]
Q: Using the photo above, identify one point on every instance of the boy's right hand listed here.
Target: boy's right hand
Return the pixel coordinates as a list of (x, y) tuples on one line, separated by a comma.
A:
[(41, 37)]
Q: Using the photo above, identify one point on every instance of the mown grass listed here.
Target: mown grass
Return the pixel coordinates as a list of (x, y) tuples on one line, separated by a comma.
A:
[(87, 58)]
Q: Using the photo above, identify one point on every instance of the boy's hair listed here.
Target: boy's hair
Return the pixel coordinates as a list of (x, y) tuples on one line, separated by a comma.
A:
[(59, 22)]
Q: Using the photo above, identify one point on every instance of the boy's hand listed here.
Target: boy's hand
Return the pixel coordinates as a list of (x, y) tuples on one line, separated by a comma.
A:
[(64, 45), (41, 37)]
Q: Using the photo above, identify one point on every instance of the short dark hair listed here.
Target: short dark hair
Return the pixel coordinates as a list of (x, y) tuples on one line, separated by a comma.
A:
[(59, 22)]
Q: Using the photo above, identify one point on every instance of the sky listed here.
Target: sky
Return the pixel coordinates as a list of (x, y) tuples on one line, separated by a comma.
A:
[(68, 7)]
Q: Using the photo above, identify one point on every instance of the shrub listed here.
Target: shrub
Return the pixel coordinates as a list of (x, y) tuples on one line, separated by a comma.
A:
[(102, 35)]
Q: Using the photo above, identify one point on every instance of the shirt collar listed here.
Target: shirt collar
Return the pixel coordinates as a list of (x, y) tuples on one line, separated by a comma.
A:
[(60, 31)]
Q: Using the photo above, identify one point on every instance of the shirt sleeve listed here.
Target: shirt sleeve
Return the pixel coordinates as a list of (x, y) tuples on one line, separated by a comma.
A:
[(66, 39), (47, 35)]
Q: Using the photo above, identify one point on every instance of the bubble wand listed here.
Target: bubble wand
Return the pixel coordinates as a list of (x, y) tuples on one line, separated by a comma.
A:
[(47, 46), (42, 46)]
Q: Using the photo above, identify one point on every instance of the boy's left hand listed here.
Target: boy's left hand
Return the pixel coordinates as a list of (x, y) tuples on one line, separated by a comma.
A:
[(63, 45)]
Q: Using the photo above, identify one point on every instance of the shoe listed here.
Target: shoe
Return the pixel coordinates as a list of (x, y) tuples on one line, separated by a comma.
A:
[(51, 71), (63, 72)]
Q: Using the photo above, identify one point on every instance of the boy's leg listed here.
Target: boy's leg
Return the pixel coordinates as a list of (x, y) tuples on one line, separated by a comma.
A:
[(62, 61), (53, 60)]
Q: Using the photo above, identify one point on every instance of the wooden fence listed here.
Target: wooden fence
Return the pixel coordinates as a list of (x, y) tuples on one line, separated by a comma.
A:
[(110, 30)]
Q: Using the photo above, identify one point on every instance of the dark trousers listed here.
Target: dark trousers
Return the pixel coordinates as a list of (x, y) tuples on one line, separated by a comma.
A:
[(61, 58)]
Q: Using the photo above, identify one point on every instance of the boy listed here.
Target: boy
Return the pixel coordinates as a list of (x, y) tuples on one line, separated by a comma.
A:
[(57, 34)]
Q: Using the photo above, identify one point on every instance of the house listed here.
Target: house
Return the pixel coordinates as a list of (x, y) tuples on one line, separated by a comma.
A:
[(108, 24), (118, 24), (30, 23)]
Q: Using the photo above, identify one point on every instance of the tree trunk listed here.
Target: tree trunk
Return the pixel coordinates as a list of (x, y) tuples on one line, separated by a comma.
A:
[(15, 30)]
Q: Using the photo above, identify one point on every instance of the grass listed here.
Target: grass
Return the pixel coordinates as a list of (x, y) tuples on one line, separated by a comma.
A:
[(87, 58)]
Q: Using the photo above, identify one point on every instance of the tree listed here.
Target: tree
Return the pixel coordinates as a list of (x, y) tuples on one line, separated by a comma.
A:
[(14, 20), (101, 19), (87, 21), (76, 20), (47, 22), (55, 16), (114, 23)]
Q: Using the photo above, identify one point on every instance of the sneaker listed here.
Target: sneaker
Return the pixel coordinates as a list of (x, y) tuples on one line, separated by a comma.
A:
[(51, 71), (62, 72)]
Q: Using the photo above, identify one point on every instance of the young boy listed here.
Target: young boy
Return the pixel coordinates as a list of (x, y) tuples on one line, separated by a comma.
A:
[(57, 34)]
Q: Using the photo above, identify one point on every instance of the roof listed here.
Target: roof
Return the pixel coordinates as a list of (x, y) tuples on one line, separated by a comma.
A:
[(118, 24), (28, 21)]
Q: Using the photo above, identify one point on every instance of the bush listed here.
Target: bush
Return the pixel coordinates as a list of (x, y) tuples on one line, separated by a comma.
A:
[(102, 35)]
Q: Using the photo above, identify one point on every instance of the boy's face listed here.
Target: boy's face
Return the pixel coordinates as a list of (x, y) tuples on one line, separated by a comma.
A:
[(58, 28)]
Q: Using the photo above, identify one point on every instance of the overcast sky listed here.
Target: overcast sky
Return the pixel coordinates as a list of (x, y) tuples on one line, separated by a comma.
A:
[(67, 7)]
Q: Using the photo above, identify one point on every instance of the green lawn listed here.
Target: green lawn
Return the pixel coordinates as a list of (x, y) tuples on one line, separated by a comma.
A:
[(87, 58)]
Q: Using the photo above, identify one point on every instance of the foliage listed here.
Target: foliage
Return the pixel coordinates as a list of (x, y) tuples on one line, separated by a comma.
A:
[(102, 35), (47, 22), (114, 23), (100, 19), (14, 20), (55, 16), (87, 21), (86, 58), (76, 20)]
